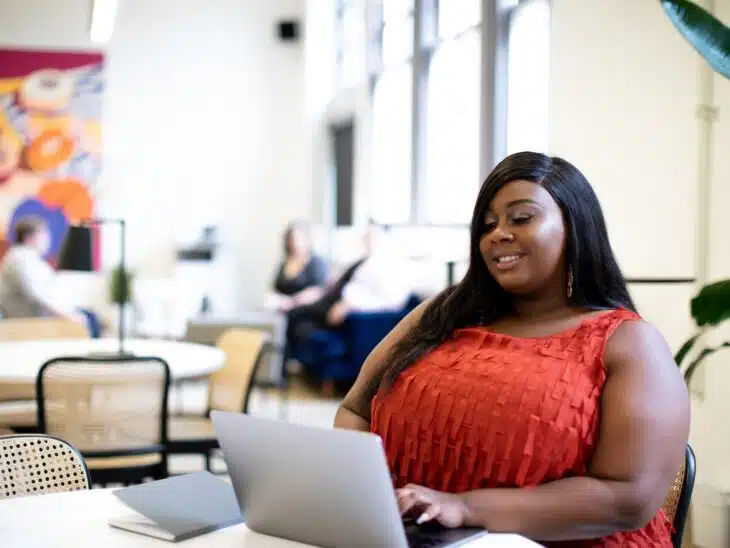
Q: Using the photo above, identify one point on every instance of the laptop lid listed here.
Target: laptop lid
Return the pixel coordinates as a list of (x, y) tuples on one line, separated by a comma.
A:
[(330, 488)]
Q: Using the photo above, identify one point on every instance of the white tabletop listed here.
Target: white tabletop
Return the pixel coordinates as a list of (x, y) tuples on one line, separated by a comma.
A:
[(80, 519), (21, 360)]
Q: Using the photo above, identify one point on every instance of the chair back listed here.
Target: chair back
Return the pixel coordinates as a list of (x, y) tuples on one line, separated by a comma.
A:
[(24, 329), (106, 407), (33, 464), (230, 386), (676, 505)]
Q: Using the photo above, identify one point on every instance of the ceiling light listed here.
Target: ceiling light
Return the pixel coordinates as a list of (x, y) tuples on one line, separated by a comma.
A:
[(102, 20)]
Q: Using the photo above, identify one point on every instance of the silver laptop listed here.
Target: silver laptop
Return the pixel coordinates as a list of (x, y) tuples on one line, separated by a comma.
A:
[(326, 487)]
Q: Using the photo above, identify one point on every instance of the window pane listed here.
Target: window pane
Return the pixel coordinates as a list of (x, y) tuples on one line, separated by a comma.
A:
[(452, 141), (456, 16), (351, 35), (353, 26), (391, 147), (397, 9), (527, 73), (397, 41), (351, 69)]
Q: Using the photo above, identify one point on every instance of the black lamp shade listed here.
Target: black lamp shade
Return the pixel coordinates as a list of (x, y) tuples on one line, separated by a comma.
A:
[(77, 253)]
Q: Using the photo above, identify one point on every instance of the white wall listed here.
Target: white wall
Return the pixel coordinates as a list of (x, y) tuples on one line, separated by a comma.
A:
[(204, 124)]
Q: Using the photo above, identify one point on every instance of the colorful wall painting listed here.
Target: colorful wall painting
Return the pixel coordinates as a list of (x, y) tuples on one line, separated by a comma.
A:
[(50, 139)]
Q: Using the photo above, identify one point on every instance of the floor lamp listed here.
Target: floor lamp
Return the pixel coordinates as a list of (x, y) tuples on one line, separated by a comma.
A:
[(77, 254)]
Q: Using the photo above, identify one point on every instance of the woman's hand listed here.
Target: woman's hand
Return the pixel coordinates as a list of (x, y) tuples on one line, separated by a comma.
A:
[(426, 504)]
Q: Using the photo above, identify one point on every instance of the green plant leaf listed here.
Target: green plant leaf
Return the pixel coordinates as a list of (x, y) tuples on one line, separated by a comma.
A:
[(712, 304), (686, 347), (689, 372), (709, 36), (120, 286)]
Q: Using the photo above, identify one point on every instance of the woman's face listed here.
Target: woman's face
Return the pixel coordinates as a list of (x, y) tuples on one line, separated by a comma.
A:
[(524, 238), (298, 241)]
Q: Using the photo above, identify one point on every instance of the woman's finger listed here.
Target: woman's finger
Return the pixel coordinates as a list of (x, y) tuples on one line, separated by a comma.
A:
[(431, 512), (406, 501)]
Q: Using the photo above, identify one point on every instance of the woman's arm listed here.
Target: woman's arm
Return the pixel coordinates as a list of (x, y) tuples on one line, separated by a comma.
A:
[(641, 443), (354, 412), (317, 272)]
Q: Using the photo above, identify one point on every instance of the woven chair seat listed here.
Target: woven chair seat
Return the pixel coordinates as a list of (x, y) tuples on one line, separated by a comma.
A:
[(35, 464), (18, 413), (190, 428), (116, 407), (132, 461)]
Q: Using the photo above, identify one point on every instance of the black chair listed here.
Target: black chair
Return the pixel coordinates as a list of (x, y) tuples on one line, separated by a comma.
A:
[(112, 409), (676, 506)]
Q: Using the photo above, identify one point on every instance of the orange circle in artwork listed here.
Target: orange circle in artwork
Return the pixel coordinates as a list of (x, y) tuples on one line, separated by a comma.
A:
[(69, 195), (9, 158), (49, 150)]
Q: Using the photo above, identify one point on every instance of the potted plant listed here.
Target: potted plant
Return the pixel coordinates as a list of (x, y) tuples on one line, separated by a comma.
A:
[(120, 294), (710, 307), (120, 286)]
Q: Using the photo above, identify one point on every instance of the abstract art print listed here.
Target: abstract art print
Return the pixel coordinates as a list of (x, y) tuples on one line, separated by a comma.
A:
[(50, 139)]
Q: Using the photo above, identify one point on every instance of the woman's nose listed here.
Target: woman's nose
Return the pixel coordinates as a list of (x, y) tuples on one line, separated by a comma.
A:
[(501, 233)]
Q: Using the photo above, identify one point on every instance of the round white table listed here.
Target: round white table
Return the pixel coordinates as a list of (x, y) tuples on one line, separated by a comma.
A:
[(21, 360)]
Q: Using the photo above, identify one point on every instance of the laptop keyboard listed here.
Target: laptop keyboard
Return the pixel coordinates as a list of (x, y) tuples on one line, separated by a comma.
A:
[(424, 536), (422, 540), (432, 534)]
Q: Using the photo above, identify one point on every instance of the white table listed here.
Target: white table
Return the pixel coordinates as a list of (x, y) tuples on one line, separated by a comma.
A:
[(21, 360), (79, 520)]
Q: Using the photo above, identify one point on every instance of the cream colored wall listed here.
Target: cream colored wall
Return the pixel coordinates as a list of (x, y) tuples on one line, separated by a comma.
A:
[(624, 96)]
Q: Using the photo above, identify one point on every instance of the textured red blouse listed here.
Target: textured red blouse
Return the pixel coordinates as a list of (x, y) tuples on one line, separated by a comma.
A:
[(487, 410)]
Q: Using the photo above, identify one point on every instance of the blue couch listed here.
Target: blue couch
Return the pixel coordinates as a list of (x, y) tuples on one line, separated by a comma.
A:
[(338, 354)]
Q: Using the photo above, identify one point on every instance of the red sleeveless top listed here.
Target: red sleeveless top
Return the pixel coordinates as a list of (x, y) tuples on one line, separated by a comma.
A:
[(491, 410)]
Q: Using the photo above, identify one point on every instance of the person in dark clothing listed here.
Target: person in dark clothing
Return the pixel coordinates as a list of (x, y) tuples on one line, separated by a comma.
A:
[(302, 275), (376, 282), (302, 320)]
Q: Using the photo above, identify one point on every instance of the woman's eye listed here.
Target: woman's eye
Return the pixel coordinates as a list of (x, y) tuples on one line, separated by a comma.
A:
[(521, 219), (489, 226)]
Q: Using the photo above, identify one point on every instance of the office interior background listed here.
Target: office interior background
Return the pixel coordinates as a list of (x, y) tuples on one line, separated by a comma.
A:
[(244, 115)]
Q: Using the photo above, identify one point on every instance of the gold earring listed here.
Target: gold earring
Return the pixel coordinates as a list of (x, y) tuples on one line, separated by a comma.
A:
[(570, 283)]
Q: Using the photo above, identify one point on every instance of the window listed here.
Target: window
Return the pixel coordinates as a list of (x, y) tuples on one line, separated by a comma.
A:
[(397, 32), (423, 62), (527, 77), (453, 104), (391, 146), (456, 16), (350, 29), (392, 112)]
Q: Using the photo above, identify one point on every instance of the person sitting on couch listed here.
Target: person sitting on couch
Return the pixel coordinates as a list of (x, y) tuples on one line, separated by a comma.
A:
[(302, 275), (373, 283), (27, 281)]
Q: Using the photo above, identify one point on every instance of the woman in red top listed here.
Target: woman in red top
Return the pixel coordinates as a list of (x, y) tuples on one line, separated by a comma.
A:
[(531, 397)]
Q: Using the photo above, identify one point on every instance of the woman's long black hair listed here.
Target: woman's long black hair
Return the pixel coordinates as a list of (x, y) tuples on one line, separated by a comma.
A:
[(478, 299)]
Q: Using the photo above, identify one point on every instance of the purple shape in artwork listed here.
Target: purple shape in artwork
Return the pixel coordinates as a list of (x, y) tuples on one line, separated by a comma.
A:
[(53, 217)]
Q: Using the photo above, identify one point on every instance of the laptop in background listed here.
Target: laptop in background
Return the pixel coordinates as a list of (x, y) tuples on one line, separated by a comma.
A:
[(326, 487)]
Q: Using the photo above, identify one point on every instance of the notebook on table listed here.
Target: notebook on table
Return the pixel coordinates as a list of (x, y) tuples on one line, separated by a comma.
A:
[(179, 507)]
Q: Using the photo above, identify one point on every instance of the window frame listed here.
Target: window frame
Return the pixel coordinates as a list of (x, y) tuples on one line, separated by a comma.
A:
[(493, 26)]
